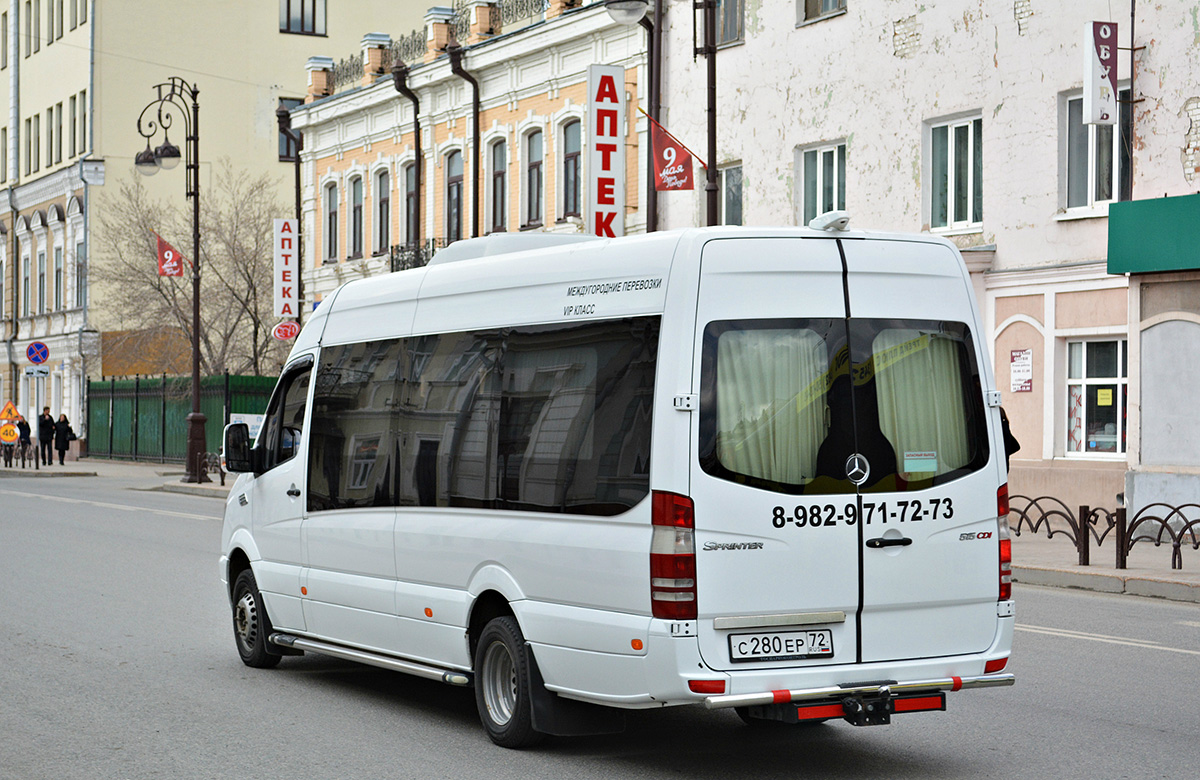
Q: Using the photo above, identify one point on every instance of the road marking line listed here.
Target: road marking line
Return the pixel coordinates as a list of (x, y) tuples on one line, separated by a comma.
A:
[(1189, 623), (1086, 634), (124, 507), (1103, 638)]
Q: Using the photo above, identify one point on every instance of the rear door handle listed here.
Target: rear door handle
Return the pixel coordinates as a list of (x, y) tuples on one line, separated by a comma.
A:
[(294, 492), (896, 541)]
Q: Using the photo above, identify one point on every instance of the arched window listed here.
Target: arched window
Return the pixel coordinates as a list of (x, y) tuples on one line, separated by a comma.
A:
[(356, 217), (331, 222), (571, 149), (454, 182), (383, 215), (533, 179), (410, 204), (499, 162)]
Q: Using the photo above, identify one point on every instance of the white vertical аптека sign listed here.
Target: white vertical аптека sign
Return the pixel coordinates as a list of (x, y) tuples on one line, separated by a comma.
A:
[(606, 153), (287, 269), (1100, 74)]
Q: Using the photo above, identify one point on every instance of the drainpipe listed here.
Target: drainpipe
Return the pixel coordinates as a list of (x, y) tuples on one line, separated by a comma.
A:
[(456, 54), (14, 172), (400, 82)]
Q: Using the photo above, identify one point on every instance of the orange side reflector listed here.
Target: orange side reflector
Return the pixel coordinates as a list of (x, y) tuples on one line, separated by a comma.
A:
[(995, 666), (428, 612), (636, 644), (303, 591)]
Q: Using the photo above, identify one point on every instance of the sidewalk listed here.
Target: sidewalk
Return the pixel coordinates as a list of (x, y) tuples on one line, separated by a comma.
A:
[(1036, 559)]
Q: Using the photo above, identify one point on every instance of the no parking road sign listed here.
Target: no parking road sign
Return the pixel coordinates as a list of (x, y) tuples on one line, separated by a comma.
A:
[(37, 352)]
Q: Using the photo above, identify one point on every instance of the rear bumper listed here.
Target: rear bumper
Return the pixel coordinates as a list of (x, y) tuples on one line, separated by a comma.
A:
[(875, 689)]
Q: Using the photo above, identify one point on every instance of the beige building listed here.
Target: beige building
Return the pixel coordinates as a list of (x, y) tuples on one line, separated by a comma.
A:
[(363, 208), (74, 77)]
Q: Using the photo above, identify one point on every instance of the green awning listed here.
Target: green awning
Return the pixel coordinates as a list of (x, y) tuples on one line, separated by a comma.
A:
[(1146, 236)]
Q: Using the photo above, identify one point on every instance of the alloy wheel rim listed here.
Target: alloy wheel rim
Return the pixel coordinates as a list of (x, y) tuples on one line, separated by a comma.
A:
[(499, 683)]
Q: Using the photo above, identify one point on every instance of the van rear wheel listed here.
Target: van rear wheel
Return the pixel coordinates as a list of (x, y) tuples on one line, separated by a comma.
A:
[(251, 626), (502, 685)]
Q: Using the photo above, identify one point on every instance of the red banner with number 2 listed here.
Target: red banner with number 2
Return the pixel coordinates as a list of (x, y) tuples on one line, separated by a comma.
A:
[(170, 262)]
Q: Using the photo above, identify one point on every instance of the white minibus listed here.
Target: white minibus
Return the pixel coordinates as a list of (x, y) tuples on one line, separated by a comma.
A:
[(746, 468)]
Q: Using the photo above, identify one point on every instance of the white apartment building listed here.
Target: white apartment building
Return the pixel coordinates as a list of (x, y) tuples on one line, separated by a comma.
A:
[(74, 77), (963, 118)]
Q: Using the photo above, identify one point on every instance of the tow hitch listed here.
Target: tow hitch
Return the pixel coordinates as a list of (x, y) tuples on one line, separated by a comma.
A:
[(869, 710)]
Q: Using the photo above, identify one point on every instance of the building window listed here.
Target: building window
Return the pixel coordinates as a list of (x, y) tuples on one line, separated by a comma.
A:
[(83, 11), (454, 183), (74, 118), (41, 301), (74, 13), (1097, 377), (807, 10), (572, 145), (287, 147), (410, 204), (49, 136), (37, 25), (356, 217), (383, 211), (3, 155), (25, 285), (1098, 157), (36, 137), (499, 163), (83, 139), (58, 132), (4, 40), (331, 222), (956, 174), (533, 179), (50, 21), (729, 21), (305, 17), (58, 278), (729, 185), (80, 276), (824, 178), (58, 19)]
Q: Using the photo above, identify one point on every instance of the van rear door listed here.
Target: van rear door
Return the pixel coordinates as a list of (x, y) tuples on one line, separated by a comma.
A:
[(930, 578), (841, 459)]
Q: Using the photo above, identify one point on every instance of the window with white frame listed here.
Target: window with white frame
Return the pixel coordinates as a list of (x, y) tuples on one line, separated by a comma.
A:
[(807, 10), (305, 17), (1097, 384), (823, 177), (25, 310), (956, 174), (58, 278), (533, 179), (729, 186), (410, 204), (498, 162), (356, 217), (383, 211), (41, 305), (1098, 158), (331, 222), (80, 275), (572, 147), (454, 195)]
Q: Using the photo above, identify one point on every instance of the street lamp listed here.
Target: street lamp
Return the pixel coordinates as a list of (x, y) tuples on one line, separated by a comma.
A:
[(634, 12), (171, 104), (284, 118)]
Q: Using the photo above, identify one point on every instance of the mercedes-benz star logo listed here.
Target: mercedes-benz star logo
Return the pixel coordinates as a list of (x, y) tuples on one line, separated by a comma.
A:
[(857, 469)]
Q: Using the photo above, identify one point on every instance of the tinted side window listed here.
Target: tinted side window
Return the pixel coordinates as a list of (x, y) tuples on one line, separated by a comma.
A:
[(284, 420), (356, 425)]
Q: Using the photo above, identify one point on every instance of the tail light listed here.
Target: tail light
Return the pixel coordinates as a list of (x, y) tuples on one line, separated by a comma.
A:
[(672, 557), (1005, 544)]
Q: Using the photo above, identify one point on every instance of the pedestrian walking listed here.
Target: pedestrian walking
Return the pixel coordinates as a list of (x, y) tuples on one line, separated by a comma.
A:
[(63, 436), (46, 436), (24, 444)]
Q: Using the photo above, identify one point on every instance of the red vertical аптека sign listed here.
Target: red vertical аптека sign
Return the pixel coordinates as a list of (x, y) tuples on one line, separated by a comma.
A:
[(606, 157)]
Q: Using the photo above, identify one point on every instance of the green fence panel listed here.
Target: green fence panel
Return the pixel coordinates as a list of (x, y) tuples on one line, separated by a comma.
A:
[(98, 416), (121, 445)]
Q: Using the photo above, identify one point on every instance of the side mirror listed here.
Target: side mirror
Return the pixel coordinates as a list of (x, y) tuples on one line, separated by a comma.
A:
[(239, 457)]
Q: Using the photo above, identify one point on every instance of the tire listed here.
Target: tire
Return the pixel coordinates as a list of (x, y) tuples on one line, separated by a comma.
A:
[(251, 626), (502, 685)]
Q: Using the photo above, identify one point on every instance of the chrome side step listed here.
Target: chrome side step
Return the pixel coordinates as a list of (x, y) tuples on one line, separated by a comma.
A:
[(835, 692), (374, 659)]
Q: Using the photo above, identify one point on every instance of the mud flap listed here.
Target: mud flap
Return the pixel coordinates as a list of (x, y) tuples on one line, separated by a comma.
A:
[(559, 717)]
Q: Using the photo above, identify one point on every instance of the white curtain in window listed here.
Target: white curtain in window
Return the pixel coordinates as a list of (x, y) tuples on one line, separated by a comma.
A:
[(771, 388), (919, 387)]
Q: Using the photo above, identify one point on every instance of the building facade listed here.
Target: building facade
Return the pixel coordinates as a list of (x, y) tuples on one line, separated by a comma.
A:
[(963, 118), (74, 76), (520, 164)]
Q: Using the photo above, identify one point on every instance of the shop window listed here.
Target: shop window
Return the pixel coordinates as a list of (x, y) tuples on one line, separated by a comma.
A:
[(1097, 391)]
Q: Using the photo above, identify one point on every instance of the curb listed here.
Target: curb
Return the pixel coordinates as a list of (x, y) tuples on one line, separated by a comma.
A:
[(45, 473), (195, 490), (1108, 583)]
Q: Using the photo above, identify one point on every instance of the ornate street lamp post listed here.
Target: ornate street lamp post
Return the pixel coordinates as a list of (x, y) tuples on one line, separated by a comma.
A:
[(160, 114)]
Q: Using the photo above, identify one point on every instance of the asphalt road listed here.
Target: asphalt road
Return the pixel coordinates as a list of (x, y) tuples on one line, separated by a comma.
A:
[(117, 661)]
